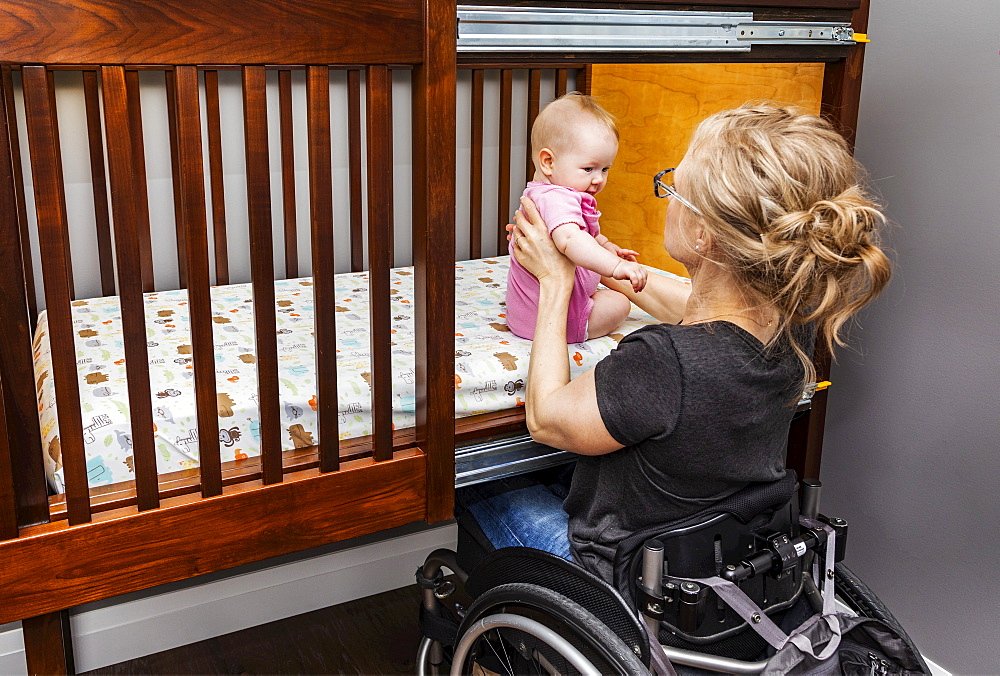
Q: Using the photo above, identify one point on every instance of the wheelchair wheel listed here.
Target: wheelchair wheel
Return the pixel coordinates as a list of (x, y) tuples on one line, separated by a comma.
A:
[(527, 629), (862, 600)]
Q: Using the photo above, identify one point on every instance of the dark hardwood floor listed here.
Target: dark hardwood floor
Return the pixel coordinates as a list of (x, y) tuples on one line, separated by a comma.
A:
[(374, 635)]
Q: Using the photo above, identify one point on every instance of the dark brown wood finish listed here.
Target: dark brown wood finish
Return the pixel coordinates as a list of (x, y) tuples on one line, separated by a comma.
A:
[(141, 32), (140, 192), (48, 647), (175, 174), (534, 103), (841, 97), (8, 501), (53, 236), (288, 173), (378, 110), (127, 552), (220, 239), (17, 306), (121, 136), (99, 181), (262, 265), (503, 189), (58, 168), (324, 298), (476, 168), (562, 78), (354, 164), (434, 256), (18, 186), (189, 154)]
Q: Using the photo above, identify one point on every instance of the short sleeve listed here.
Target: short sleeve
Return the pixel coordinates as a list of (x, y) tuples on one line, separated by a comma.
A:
[(560, 206), (639, 387)]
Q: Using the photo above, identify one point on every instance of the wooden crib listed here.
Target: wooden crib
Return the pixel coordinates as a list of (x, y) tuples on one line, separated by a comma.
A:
[(96, 543)]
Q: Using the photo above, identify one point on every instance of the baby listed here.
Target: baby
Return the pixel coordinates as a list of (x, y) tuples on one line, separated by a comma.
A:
[(573, 143)]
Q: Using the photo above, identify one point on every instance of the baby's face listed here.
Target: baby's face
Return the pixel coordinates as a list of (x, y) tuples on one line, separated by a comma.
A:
[(584, 165)]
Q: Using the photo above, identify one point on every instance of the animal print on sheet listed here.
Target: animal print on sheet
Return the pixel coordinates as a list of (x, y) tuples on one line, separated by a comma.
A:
[(490, 367)]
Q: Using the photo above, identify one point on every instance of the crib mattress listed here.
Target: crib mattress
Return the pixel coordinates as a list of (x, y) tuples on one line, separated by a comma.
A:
[(490, 367)]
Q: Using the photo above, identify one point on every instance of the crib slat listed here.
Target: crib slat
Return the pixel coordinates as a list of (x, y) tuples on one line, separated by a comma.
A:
[(584, 78), (139, 177), (8, 505), (192, 182), (22, 213), (354, 160), (171, 87), (534, 100), (262, 265), (434, 258), (99, 181), (562, 77), (214, 128), (53, 236), (288, 173), (62, 182), (379, 138), (321, 221), (128, 223), (503, 190), (17, 307), (476, 169)]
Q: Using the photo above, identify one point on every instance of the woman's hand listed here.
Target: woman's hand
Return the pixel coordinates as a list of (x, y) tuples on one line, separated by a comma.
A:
[(533, 247)]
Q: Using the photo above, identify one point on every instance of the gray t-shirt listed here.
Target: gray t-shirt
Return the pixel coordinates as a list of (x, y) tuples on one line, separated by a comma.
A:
[(702, 410)]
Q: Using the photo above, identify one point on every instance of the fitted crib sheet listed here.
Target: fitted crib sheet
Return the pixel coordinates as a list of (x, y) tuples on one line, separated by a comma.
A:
[(490, 367)]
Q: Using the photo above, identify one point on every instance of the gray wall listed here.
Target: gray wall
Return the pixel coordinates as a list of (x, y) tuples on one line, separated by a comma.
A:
[(910, 455)]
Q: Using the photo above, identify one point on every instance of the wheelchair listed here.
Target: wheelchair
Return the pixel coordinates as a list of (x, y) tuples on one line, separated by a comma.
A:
[(523, 611)]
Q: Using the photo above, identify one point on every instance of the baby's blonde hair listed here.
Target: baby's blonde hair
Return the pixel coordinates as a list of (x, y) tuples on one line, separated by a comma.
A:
[(556, 124), (780, 195)]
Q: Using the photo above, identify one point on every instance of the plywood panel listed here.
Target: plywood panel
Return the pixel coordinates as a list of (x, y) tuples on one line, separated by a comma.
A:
[(658, 107)]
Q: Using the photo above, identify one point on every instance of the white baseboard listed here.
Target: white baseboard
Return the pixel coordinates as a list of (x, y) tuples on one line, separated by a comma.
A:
[(139, 624)]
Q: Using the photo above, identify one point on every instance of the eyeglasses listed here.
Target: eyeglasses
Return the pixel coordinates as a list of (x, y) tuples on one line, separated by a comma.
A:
[(663, 187)]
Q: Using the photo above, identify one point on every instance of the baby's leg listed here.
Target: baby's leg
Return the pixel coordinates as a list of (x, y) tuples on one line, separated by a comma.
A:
[(610, 310)]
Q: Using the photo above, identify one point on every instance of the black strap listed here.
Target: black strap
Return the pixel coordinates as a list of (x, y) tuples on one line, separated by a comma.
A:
[(438, 625)]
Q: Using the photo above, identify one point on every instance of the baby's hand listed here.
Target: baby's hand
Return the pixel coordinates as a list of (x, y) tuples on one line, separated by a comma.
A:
[(633, 272), (624, 254)]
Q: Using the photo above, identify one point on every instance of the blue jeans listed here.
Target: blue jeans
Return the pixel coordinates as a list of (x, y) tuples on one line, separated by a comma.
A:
[(524, 511)]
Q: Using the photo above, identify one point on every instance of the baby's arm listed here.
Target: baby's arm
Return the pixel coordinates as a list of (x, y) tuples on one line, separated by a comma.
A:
[(584, 250), (627, 254)]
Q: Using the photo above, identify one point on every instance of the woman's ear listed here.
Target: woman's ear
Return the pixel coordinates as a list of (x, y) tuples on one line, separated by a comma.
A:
[(546, 158)]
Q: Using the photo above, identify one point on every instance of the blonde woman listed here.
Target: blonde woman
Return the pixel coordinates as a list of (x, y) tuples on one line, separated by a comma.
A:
[(767, 214)]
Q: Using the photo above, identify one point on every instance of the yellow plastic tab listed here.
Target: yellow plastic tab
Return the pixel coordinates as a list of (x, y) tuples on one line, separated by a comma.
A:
[(822, 385), (861, 37)]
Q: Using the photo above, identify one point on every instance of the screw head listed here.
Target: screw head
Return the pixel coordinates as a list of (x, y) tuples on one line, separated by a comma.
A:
[(755, 618), (829, 574), (781, 33), (730, 567)]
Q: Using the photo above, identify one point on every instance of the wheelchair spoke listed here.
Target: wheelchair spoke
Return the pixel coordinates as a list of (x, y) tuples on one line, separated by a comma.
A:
[(505, 658)]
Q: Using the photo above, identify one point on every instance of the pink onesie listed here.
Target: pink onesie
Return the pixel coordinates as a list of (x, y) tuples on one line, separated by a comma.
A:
[(558, 205)]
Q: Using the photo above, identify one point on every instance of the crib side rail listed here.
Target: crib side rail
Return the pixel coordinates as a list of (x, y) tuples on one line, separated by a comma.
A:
[(111, 47)]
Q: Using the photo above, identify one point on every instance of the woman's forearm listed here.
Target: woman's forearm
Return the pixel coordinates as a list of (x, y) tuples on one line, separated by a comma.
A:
[(663, 297), (548, 369)]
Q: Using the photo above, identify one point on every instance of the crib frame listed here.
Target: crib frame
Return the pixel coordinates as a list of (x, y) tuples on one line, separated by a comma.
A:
[(95, 544)]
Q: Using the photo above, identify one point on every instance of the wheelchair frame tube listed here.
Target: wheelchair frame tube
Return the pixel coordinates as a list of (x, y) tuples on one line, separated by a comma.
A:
[(712, 662)]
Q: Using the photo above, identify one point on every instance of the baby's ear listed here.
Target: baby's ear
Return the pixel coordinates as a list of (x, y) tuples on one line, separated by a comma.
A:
[(546, 158)]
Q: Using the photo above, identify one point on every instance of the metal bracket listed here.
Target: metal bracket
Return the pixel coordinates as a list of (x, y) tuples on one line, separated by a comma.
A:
[(553, 29)]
